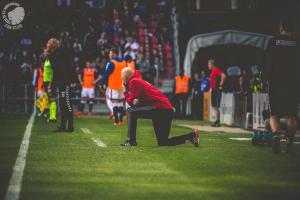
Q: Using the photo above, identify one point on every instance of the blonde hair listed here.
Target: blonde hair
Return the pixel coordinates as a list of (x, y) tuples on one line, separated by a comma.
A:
[(212, 61), (54, 44), (126, 72)]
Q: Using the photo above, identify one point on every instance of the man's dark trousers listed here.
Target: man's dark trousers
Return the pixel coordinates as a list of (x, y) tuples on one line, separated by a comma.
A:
[(161, 119), (65, 108), (181, 100), (197, 105)]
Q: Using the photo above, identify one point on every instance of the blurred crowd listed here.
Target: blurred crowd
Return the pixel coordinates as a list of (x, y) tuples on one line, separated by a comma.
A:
[(139, 28)]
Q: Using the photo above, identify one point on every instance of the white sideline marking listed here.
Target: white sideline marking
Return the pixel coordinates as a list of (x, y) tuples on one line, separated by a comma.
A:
[(248, 139), (296, 142), (99, 143), (15, 182), (86, 130), (241, 139)]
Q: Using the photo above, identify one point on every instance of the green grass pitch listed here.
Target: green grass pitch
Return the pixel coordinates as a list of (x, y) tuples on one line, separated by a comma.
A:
[(72, 166)]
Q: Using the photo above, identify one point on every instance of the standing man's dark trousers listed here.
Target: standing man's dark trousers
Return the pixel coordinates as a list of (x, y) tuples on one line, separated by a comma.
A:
[(181, 100), (161, 119), (65, 109), (197, 106)]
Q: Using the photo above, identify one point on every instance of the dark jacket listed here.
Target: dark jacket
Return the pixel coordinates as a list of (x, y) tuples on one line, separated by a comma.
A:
[(63, 71), (280, 67)]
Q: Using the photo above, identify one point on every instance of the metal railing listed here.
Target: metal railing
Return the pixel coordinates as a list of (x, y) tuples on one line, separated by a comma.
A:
[(17, 98), (21, 98)]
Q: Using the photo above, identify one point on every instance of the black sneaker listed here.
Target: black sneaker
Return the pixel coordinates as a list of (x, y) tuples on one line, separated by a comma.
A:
[(276, 148), (195, 139), (216, 124), (52, 120), (127, 143)]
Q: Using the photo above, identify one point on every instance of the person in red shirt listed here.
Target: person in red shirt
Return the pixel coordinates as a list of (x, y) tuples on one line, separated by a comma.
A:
[(217, 78), (147, 102)]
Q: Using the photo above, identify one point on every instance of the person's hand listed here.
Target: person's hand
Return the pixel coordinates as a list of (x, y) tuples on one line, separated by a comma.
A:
[(94, 82), (136, 102), (264, 87), (220, 87), (49, 88), (124, 85)]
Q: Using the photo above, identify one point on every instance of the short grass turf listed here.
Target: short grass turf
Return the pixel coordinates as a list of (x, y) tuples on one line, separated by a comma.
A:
[(72, 166), (12, 128)]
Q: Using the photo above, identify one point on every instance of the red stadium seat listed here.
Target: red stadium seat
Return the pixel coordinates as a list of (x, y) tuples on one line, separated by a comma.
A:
[(154, 40), (169, 63), (167, 47), (141, 33), (168, 55)]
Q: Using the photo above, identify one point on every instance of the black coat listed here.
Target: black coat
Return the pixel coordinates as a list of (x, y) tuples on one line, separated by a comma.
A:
[(63, 71)]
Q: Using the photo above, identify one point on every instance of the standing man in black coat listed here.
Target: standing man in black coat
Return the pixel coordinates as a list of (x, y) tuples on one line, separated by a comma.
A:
[(64, 77), (281, 74)]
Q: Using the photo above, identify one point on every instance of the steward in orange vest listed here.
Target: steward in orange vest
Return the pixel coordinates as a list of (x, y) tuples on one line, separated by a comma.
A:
[(181, 90), (182, 84)]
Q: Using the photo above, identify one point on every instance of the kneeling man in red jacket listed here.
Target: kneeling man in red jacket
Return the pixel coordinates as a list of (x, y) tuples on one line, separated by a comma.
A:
[(147, 102)]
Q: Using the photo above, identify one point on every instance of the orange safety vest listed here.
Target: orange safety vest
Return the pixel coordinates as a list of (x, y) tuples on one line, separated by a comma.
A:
[(40, 82), (182, 84), (115, 80), (131, 64), (88, 77)]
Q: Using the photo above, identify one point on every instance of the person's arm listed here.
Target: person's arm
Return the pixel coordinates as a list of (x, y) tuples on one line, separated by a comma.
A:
[(109, 69), (35, 77), (135, 90), (98, 77), (80, 79), (223, 78), (222, 75)]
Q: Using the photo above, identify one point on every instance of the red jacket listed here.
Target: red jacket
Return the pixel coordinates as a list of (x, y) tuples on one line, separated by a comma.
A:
[(146, 93), (137, 74), (213, 78)]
